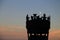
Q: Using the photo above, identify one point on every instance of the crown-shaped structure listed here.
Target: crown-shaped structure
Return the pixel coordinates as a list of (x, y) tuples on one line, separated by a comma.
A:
[(38, 27)]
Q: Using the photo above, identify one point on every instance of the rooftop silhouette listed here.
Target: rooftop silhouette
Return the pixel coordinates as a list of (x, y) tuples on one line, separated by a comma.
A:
[(38, 27)]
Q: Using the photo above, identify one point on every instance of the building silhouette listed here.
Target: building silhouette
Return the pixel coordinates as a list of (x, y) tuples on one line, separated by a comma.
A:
[(38, 27)]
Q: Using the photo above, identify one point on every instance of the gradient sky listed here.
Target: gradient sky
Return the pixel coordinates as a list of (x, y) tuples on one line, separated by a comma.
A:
[(13, 12)]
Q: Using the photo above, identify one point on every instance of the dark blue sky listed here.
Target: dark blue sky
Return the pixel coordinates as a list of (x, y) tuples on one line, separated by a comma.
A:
[(13, 12)]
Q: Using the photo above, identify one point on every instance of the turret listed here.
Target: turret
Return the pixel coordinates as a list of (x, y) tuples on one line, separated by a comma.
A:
[(34, 15), (27, 18), (48, 18), (44, 17)]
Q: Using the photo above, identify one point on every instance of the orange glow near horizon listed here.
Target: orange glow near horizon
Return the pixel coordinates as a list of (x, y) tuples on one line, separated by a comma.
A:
[(21, 33)]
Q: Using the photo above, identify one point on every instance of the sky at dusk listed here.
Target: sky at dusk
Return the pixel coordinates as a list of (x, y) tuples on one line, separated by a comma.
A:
[(13, 17)]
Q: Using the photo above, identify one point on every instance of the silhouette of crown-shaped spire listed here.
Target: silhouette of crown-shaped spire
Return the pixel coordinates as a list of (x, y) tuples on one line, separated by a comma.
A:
[(38, 27), (36, 17)]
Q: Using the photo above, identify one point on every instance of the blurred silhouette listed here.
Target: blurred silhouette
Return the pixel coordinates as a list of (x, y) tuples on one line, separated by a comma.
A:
[(38, 27)]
